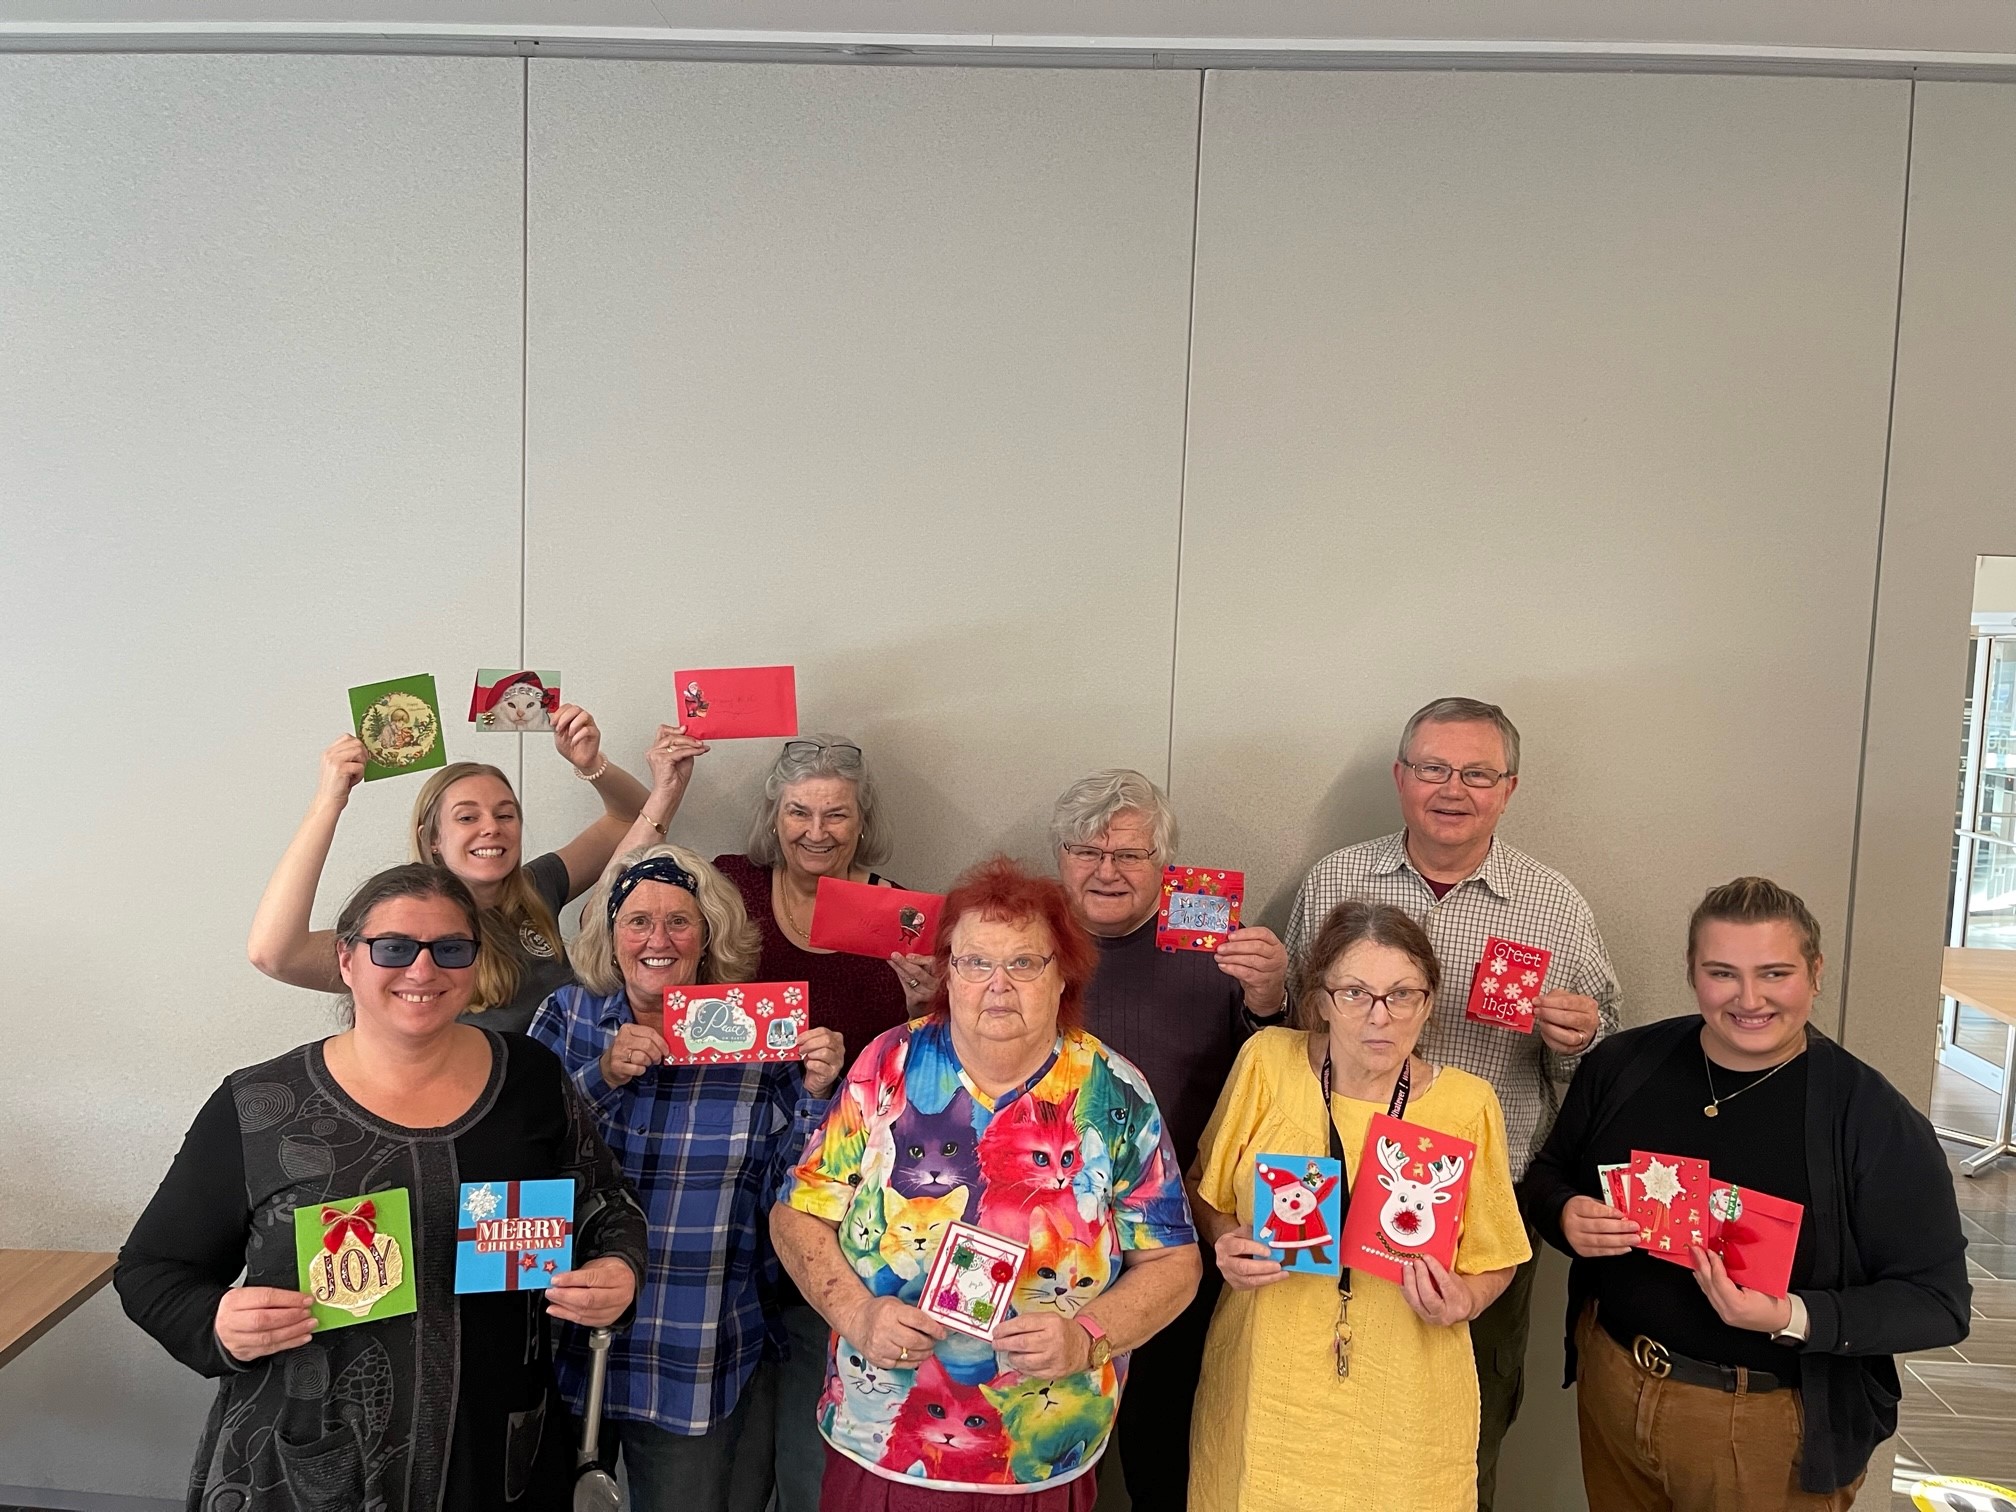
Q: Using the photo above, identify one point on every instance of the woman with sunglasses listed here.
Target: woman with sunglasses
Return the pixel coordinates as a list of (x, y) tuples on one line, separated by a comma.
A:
[(450, 1406), (1403, 1411), (466, 818)]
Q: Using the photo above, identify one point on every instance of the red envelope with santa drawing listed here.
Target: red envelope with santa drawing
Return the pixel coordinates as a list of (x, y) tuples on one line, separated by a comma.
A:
[(1508, 978), (737, 703), (859, 918), (1407, 1197)]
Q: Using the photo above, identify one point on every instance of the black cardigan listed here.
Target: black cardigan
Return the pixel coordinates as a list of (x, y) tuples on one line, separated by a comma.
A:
[(1889, 1260)]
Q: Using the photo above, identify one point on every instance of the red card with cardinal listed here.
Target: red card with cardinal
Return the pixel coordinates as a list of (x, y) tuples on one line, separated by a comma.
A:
[(1759, 1235), (1199, 908), (1407, 1197), (1507, 980), (1669, 1203), (738, 703), (857, 918)]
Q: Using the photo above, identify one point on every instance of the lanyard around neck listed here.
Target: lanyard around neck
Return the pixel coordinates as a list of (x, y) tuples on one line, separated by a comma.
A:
[(1396, 1107)]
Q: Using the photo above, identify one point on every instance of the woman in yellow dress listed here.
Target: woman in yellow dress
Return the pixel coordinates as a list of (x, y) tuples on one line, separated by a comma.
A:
[(1277, 1427)]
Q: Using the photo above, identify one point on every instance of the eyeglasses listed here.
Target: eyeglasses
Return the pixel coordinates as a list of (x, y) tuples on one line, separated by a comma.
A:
[(1022, 968), (647, 924), (1092, 855), (1435, 773), (803, 748), (450, 952), (1401, 1003)]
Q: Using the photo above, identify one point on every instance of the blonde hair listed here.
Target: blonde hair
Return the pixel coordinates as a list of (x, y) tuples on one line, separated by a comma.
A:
[(1756, 900), (519, 906), (733, 943)]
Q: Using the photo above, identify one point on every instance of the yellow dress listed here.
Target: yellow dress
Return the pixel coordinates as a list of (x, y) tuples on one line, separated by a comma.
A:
[(1275, 1430)]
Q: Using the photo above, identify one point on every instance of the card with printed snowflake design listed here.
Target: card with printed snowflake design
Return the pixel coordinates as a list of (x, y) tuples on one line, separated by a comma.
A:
[(1199, 908), (971, 1282), (1508, 979), (728, 1022)]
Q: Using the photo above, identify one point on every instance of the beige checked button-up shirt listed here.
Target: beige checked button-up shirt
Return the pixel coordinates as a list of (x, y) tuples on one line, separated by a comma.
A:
[(1511, 896)]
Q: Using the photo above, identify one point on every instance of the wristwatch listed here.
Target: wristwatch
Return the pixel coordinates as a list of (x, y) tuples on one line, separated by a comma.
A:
[(1102, 1347), (1797, 1327)]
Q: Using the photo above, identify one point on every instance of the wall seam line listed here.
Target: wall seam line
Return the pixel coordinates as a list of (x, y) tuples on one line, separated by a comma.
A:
[(524, 366), (1876, 583), (1183, 477)]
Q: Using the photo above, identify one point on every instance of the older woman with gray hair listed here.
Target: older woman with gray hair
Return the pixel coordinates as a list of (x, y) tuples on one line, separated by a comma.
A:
[(708, 1148)]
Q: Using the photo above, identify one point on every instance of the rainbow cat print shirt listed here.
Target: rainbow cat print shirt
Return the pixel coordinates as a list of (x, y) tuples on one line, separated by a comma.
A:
[(1074, 1164)]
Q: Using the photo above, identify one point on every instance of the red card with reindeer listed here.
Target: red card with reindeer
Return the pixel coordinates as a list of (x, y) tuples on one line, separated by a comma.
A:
[(1509, 977), (1407, 1197), (1669, 1203)]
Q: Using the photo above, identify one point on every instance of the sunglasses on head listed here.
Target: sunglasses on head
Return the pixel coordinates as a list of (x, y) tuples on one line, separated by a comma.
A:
[(450, 952)]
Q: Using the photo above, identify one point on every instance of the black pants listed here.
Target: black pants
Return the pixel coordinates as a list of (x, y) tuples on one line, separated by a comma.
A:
[(1154, 1429)]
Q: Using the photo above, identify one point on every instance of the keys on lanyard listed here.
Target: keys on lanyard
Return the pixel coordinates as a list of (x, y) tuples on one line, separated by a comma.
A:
[(1340, 1343)]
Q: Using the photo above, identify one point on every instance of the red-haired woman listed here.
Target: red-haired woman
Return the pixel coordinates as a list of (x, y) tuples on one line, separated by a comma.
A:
[(998, 1111)]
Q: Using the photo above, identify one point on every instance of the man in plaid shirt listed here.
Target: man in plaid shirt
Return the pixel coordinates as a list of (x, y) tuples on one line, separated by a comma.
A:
[(1457, 770)]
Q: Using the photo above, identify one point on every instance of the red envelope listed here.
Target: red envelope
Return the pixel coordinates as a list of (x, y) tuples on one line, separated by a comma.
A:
[(738, 703), (1507, 980), (1616, 1183), (1199, 907), (1407, 1197), (735, 1022), (1759, 1235), (1669, 1203), (857, 918)]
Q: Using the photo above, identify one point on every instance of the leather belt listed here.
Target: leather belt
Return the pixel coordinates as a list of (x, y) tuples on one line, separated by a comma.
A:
[(1661, 1363)]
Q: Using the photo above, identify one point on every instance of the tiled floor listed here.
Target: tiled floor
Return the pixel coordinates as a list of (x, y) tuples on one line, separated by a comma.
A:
[(1958, 1416)]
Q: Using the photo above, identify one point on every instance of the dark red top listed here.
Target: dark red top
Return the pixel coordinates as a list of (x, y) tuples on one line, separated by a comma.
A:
[(857, 995)]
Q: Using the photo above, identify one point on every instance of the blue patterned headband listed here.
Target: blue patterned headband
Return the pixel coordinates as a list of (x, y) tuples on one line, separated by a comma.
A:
[(655, 869)]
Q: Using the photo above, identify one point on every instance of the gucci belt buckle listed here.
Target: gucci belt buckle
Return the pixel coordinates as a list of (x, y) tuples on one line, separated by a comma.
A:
[(1651, 1357)]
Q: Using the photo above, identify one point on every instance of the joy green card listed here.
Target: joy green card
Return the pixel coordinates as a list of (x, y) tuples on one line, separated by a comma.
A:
[(355, 1257), (400, 725)]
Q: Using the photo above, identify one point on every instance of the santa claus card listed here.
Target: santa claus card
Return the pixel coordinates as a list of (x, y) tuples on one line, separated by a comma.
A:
[(970, 1283), (735, 1022), (354, 1257), (738, 703), (1507, 980), (1758, 1237), (513, 1235), (1296, 1209), (857, 918), (1669, 1203), (1407, 1200), (505, 702), (1199, 907)]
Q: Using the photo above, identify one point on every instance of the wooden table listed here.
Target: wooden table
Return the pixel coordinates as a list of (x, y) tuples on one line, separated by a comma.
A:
[(40, 1288), (1986, 979)]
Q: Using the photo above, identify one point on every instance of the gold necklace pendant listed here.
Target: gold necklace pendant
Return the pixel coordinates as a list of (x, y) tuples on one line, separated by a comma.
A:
[(1713, 1110)]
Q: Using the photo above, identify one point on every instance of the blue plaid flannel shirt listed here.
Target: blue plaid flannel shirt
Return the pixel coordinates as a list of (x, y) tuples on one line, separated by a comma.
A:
[(708, 1148)]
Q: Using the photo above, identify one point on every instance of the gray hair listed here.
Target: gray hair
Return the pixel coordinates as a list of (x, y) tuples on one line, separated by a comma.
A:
[(1088, 807), (733, 944), (1464, 711), (803, 758)]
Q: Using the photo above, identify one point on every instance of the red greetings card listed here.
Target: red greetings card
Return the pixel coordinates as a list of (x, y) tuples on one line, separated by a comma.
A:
[(738, 703), (1759, 1236), (1199, 907), (1508, 978), (1669, 1203), (1407, 1197), (735, 1021), (858, 918)]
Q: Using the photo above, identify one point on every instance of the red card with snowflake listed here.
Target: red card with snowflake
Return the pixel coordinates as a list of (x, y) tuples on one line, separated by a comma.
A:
[(1200, 906), (1508, 978), (1669, 1203), (1758, 1236), (1407, 1197), (971, 1282), (729, 1022)]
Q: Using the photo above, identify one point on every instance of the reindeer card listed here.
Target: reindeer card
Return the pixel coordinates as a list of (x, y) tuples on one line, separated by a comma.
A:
[(1297, 1208), (505, 702), (1669, 1203), (1758, 1236), (1507, 980), (1199, 907), (1407, 1197), (735, 1022), (354, 1257), (970, 1284), (738, 703), (856, 918)]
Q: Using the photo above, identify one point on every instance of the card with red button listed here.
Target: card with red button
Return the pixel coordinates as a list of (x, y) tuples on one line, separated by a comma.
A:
[(971, 1283), (1669, 1203), (1199, 907), (1507, 980), (738, 703), (1407, 1197)]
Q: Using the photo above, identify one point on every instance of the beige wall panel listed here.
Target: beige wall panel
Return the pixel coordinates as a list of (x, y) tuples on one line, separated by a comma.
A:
[(879, 373), (1950, 498), (259, 346)]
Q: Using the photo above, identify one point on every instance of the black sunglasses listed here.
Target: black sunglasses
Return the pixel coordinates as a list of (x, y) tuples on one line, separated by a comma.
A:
[(450, 952)]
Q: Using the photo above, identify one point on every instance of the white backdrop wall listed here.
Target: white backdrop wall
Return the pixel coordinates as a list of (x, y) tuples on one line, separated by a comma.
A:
[(1046, 420)]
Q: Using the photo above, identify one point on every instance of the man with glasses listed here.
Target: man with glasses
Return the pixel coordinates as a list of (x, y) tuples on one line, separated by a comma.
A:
[(1180, 1016), (1457, 770)]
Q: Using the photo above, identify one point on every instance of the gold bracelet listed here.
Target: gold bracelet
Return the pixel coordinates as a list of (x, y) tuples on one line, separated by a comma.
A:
[(652, 822), (591, 776)]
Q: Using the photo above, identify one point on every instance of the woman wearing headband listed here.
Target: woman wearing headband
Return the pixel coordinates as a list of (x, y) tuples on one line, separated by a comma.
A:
[(467, 819), (707, 1148)]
